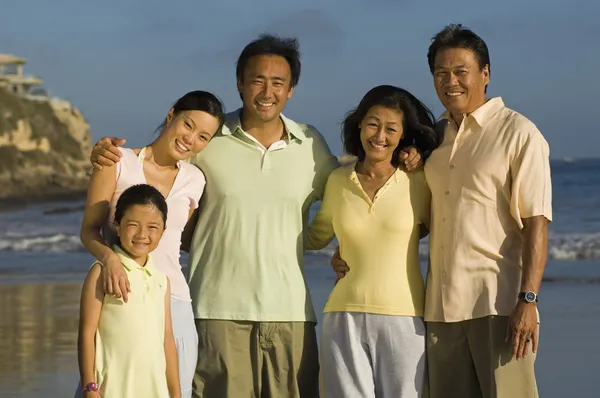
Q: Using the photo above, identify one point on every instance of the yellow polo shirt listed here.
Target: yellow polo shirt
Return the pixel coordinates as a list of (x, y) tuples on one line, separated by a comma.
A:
[(487, 175), (379, 240), (130, 355)]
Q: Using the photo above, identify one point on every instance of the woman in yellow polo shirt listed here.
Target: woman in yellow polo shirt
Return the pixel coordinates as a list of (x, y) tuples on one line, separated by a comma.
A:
[(373, 334)]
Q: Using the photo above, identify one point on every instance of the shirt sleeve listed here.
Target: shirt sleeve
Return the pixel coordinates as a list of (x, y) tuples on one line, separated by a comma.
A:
[(325, 161), (320, 232), (125, 154), (531, 190), (197, 183)]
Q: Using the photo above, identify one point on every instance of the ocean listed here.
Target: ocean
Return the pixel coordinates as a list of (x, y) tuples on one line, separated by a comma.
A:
[(42, 265)]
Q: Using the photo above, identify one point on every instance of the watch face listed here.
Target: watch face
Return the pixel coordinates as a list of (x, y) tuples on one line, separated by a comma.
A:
[(530, 296)]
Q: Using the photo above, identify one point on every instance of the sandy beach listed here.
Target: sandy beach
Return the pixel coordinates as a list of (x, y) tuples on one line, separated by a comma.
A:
[(38, 338), (38, 335)]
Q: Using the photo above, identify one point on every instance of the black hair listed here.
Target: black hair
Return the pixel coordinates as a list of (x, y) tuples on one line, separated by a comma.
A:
[(457, 36), (266, 44), (417, 122), (199, 100), (141, 194)]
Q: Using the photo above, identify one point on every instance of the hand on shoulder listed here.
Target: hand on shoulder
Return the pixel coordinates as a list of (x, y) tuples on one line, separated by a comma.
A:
[(106, 152)]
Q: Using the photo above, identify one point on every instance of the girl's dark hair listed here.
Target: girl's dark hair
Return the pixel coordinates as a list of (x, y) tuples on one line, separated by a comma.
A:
[(199, 101), (417, 122), (141, 194)]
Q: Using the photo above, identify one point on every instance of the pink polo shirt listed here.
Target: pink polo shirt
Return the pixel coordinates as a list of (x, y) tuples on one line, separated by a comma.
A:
[(184, 195)]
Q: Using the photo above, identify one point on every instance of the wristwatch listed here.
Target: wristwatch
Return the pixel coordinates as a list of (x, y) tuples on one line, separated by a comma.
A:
[(530, 297), (91, 386)]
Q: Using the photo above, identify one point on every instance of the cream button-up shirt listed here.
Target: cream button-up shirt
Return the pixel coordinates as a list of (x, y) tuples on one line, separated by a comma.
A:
[(487, 175)]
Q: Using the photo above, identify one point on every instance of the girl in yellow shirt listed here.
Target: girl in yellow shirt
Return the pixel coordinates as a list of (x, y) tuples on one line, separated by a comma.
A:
[(128, 350)]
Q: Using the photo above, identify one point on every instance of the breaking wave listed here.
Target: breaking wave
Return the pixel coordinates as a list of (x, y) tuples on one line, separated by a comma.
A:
[(50, 243), (561, 247)]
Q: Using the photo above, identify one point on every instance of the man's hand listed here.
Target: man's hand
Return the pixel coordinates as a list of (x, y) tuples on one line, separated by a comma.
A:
[(523, 329), (115, 280), (105, 152), (339, 266), (411, 159), (523, 321)]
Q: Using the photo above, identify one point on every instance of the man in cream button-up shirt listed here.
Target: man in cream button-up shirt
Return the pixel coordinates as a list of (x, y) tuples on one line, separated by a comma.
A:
[(491, 204)]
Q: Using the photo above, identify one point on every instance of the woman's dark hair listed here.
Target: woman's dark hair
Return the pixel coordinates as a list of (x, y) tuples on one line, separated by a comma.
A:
[(456, 36), (266, 44), (141, 194), (199, 101), (417, 122)]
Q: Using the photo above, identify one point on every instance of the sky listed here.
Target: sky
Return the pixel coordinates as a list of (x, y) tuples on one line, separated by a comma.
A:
[(123, 63)]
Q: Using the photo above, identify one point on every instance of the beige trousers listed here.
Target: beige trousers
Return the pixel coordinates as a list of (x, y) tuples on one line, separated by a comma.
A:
[(471, 359), (256, 360)]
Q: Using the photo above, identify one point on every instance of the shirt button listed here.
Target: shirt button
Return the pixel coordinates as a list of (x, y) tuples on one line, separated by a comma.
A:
[(447, 192), (444, 274), (451, 167), (444, 219)]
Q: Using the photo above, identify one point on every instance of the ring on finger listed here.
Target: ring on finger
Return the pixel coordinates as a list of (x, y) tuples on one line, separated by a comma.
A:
[(528, 340)]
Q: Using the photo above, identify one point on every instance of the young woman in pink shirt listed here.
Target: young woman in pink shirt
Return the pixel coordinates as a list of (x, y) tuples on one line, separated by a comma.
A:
[(189, 125)]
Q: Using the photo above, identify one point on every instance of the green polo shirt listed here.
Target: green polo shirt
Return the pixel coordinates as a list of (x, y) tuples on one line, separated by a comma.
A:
[(246, 258)]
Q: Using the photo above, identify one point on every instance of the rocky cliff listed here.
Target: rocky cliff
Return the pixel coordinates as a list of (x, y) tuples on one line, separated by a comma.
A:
[(44, 147)]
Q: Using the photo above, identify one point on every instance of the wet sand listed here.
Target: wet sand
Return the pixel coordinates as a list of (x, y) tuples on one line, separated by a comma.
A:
[(38, 338), (38, 335)]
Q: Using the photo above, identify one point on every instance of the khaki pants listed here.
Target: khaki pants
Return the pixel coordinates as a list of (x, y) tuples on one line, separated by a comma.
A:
[(239, 359), (471, 359)]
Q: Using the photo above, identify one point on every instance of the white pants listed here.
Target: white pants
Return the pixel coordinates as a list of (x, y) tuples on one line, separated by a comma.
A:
[(372, 356), (186, 340)]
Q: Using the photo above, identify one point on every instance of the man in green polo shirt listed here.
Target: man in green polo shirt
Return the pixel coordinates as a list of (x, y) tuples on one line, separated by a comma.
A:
[(254, 315)]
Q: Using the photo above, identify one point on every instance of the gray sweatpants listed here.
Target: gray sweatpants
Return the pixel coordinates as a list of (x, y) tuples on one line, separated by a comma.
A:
[(372, 356)]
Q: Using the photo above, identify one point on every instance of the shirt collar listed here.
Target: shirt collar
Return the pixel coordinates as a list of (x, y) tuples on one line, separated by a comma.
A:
[(354, 176), (129, 264), (482, 114), (233, 123)]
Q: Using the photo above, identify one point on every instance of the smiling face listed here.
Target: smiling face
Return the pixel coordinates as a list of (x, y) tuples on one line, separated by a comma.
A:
[(380, 132), (266, 87), (460, 81), (188, 132), (140, 230)]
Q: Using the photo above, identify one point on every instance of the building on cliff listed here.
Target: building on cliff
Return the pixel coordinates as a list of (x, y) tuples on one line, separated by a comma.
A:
[(12, 77), (44, 140)]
